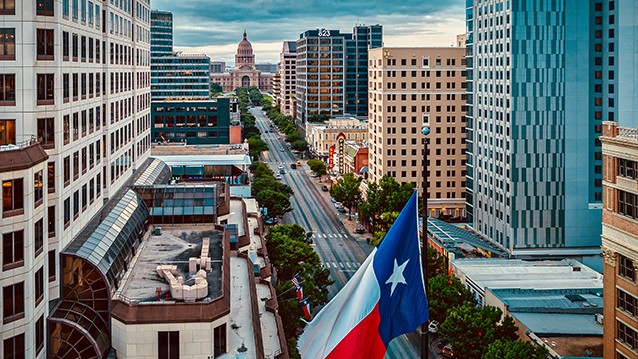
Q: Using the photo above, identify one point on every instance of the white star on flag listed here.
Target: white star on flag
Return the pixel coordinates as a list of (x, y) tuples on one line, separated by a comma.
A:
[(397, 275)]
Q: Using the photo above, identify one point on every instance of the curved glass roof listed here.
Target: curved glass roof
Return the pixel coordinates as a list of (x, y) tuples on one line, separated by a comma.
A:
[(108, 240), (157, 172), (83, 329)]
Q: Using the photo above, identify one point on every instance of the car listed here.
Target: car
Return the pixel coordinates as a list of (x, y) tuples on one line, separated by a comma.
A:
[(341, 209), (333, 200), (279, 167), (337, 204), (325, 188), (278, 177), (281, 149), (293, 166), (359, 230), (433, 327), (282, 171), (299, 163), (447, 351), (267, 131), (439, 343)]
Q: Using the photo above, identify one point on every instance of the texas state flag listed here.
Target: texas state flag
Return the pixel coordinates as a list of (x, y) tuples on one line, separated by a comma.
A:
[(384, 299)]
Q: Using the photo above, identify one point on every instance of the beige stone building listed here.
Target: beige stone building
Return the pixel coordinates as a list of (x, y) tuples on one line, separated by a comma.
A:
[(287, 78), (407, 86), (322, 136), (245, 74), (620, 240)]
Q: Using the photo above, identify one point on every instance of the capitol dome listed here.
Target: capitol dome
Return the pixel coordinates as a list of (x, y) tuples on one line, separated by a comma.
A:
[(245, 55)]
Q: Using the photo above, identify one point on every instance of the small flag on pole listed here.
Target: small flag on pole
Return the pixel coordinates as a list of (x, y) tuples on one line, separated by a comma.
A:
[(295, 281), (299, 292), (384, 299), (305, 306)]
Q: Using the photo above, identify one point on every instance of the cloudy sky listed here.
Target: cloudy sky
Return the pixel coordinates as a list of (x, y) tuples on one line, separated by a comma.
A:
[(215, 27)]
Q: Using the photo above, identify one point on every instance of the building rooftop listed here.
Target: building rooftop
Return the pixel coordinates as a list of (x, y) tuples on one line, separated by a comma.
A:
[(451, 236), (187, 150), (516, 273), (204, 159), (174, 246)]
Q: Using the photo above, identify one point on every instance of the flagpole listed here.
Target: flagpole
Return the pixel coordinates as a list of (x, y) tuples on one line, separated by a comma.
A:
[(424, 238)]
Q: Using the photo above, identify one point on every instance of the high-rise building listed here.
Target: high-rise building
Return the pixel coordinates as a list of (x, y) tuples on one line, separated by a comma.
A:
[(534, 158), (266, 67), (407, 87), (161, 33), (217, 67), (175, 75), (619, 238), (75, 108), (287, 77), (332, 72)]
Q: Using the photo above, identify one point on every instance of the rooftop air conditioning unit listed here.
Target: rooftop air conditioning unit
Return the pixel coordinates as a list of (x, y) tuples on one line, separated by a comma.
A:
[(599, 319)]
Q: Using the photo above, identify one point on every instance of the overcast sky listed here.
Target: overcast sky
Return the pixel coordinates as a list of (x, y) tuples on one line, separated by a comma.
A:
[(215, 27)]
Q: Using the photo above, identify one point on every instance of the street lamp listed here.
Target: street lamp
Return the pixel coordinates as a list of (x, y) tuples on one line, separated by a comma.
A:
[(424, 241)]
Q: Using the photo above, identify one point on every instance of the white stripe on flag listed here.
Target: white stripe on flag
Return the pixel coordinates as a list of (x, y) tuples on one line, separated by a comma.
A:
[(347, 309)]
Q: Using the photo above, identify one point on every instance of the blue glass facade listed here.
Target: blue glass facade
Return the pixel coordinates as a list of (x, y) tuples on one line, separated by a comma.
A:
[(542, 76), (175, 75), (193, 122)]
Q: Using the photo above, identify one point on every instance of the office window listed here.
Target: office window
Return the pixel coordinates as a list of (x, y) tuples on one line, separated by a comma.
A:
[(627, 302), (627, 204), (83, 10), (39, 285), (83, 48), (45, 44), (627, 335), (65, 46), (13, 299), (7, 43), (7, 7), (12, 195), (14, 347), (46, 133), (75, 9), (627, 168), (45, 89), (67, 129), (626, 268), (51, 265), (51, 221), (76, 48), (65, 8), (51, 176), (8, 90), (44, 7), (39, 335), (38, 187), (168, 345), (38, 234), (67, 170), (76, 165), (7, 132), (67, 212), (12, 250)]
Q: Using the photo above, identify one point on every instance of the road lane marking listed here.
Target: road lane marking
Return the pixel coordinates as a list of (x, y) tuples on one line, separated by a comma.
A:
[(343, 280), (334, 265), (341, 265), (348, 264)]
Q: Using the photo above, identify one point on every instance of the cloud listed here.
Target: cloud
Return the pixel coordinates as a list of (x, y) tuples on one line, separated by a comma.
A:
[(215, 27)]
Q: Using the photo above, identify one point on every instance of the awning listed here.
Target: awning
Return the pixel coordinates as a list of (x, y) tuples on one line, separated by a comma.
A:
[(199, 171), (364, 169)]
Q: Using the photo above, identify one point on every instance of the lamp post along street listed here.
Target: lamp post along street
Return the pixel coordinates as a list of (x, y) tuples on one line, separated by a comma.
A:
[(424, 238)]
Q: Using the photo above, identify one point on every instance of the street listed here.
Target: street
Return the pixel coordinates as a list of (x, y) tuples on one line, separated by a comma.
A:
[(339, 252)]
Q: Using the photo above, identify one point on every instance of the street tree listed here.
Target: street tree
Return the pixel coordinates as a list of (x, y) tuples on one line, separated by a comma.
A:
[(346, 190), (277, 203), (299, 145), (263, 183), (502, 349), (471, 330), (386, 196), (436, 263), (444, 293), (318, 167), (256, 146), (293, 136), (260, 169)]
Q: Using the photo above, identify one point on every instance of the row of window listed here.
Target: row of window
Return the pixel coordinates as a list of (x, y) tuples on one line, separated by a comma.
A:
[(89, 192), (13, 194), (14, 347)]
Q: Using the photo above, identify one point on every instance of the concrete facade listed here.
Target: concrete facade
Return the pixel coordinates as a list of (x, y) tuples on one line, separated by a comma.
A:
[(287, 78), (321, 137), (408, 86), (79, 80)]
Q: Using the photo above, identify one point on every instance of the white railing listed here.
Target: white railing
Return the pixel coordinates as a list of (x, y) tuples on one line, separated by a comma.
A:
[(19, 145), (628, 132)]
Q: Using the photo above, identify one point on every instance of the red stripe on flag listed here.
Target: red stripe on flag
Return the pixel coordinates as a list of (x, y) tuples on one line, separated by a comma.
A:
[(363, 341)]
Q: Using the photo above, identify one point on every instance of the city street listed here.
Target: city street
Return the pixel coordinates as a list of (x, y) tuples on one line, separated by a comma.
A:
[(339, 252)]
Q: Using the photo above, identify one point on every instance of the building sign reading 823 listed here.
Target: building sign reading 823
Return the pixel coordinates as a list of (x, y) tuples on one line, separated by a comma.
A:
[(324, 32)]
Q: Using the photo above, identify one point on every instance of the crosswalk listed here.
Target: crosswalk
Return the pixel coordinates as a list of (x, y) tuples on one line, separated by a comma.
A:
[(342, 265), (329, 235)]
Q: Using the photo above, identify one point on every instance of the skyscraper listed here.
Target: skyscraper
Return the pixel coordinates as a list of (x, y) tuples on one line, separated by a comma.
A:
[(542, 76), (406, 87), (287, 77), (332, 72), (175, 75), (75, 125)]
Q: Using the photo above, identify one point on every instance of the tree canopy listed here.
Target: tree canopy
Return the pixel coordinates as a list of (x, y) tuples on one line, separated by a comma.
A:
[(444, 293), (500, 349), (346, 190)]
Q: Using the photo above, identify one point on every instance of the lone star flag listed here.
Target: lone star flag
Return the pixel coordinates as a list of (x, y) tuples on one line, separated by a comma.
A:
[(305, 306), (384, 299)]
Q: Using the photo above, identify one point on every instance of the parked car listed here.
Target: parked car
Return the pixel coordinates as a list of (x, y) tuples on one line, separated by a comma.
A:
[(325, 188), (433, 327), (447, 351), (359, 230), (439, 343), (341, 209)]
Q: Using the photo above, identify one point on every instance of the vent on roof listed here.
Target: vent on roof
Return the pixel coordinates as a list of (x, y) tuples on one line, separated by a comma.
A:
[(575, 298), (599, 319)]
